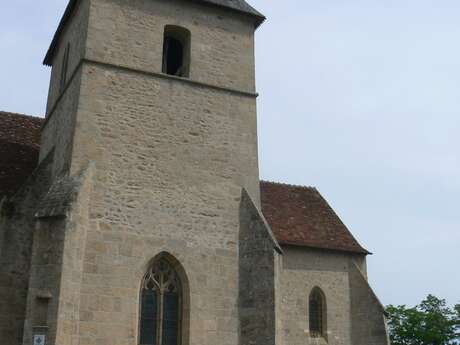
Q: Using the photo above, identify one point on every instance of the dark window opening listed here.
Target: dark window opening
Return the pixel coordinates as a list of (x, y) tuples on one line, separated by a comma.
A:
[(317, 314), (174, 56), (41, 312), (149, 312), (176, 51)]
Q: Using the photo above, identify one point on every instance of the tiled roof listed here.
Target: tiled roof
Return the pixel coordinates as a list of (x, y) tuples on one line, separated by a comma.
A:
[(300, 216), (235, 5), (20, 129), (19, 148)]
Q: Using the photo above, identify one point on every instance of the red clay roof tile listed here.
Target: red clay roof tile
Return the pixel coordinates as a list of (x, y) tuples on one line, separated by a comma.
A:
[(19, 149), (300, 216)]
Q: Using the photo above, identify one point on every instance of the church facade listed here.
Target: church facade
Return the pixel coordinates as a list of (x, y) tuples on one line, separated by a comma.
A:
[(133, 213)]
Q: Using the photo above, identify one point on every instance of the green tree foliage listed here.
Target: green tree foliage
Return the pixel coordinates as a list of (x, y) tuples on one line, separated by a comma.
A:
[(431, 322)]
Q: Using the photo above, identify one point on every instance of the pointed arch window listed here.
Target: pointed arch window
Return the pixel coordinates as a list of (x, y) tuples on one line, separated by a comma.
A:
[(161, 305), (317, 313)]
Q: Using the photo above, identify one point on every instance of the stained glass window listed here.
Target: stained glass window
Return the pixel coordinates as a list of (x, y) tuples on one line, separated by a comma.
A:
[(148, 317), (160, 312)]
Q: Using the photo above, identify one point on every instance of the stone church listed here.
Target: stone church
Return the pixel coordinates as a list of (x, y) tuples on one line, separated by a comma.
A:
[(133, 213)]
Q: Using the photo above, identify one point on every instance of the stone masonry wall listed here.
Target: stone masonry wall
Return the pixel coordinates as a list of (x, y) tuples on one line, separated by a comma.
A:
[(304, 269), (57, 133), (68, 330), (258, 252), (17, 225), (45, 279), (367, 313), (75, 35), (57, 263), (171, 158), (130, 33)]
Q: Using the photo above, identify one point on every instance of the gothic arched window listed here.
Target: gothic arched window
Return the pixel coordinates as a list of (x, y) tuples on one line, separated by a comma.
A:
[(161, 305), (176, 51), (317, 313)]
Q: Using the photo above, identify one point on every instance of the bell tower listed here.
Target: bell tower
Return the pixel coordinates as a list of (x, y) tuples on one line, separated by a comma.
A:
[(159, 98), (178, 74)]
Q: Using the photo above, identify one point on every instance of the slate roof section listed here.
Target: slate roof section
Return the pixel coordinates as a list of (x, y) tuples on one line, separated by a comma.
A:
[(59, 198), (19, 149), (235, 5), (300, 216)]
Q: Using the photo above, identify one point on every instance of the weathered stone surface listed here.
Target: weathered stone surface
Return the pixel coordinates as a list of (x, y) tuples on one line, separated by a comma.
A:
[(302, 270), (354, 315), (258, 252), (59, 198), (74, 35), (171, 159), (57, 261), (127, 33), (368, 324), (17, 223)]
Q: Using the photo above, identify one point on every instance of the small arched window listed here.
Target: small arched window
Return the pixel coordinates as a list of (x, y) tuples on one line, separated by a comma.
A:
[(176, 51), (161, 305), (317, 313)]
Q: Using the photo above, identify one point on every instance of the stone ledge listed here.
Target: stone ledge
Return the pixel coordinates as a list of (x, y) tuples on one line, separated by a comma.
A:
[(143, 72)]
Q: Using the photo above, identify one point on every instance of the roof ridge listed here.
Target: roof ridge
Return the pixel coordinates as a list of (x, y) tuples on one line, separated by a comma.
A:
[(22, 115), (289, 185)]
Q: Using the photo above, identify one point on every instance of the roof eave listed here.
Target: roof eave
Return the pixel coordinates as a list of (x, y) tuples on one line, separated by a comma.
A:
[(250, 12), (360, 251), (48, 61)]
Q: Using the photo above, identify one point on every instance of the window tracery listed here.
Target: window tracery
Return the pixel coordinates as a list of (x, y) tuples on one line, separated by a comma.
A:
[(161, 303)]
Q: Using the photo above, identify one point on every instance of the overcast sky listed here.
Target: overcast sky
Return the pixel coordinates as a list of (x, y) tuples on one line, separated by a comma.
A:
[(360, 98)]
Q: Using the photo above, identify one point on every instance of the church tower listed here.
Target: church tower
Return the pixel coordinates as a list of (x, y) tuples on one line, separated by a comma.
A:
[(151, 140)]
